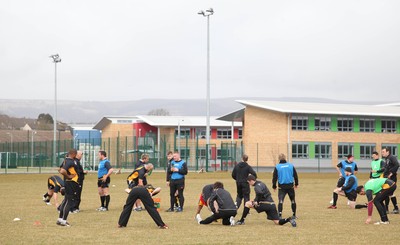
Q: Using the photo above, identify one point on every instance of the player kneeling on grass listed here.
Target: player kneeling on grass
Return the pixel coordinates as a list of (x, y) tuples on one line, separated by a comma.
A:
[(381, 188), (144, 194), (348, 189), (222, 206), (263, 202), (205, 194)]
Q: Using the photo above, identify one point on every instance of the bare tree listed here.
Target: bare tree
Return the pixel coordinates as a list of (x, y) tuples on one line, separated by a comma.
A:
[(159, 112)]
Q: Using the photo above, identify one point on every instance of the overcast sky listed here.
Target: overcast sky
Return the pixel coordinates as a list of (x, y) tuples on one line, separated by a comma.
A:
[(130, 50)]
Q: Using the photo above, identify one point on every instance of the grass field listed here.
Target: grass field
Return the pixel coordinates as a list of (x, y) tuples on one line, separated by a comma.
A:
[(21, 197)]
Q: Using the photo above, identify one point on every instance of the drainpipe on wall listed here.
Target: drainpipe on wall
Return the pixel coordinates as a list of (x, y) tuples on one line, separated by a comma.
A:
[(289, 157), (158, 146)]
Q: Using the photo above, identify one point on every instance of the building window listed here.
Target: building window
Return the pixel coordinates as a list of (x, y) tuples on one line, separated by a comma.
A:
[(388, 126), (240, 133), (345, 149), (299, 123), (345, 124), (300, 150), (124, 121), (322, 123), (185, 133), (201, 153), (366, 150), (367, 125), (392, 149), (185, 153), (323, 150), (201, 133), (224, 133)]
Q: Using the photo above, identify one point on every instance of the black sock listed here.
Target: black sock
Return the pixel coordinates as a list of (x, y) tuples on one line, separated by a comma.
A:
[(107, 201), (246, 211), (283, 221), (294, 206), (394, 201), (46, 195), (102, 199), (280, 208), (359, 206), (335, 197)]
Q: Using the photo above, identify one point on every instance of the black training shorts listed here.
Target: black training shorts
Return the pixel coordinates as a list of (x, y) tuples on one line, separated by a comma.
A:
[(270, 209), (351, 196), (102, 184)]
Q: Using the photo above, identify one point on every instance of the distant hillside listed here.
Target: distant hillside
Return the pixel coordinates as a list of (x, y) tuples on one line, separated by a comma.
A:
[(93, 111)]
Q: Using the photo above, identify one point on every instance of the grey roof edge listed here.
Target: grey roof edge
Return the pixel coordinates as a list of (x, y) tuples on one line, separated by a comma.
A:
[(235, 116)]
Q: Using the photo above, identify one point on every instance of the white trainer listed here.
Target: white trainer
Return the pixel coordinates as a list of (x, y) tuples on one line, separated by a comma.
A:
[(382, 223), (232, 220), (198, 218)]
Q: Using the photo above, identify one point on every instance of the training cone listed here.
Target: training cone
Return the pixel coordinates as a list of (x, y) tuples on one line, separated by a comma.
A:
[(157, 203)]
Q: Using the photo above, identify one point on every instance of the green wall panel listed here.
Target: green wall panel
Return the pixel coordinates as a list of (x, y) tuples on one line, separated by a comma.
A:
[(356, 127), (356, 152), (311, 150), (311, 122), (334, 124)]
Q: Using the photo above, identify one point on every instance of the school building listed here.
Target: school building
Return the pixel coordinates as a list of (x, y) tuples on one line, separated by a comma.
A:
[(126, 138), (316, 135)]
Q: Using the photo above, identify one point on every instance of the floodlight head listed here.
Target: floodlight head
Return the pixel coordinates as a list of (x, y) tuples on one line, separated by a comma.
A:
[(56, 58), (210, 10), (201, 12)]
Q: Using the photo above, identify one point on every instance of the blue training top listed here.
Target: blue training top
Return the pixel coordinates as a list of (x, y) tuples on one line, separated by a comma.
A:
[(346, 164), (354, 186), (104, 166), (178, 165), (285, 173)]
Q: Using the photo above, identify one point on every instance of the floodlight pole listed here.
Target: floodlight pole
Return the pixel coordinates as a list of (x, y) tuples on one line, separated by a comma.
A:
[(207, 14), (12, 141), (56, 59), (32, 142)]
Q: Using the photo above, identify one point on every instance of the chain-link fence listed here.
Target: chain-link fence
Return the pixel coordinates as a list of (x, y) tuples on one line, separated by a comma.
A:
[(221, 155), (123, 152)]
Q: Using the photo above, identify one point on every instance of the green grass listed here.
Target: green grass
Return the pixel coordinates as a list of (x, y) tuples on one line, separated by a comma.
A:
[(21, 196)]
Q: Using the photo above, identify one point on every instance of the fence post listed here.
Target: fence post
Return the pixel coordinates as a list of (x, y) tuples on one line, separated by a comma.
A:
[(197, 152), (257, 157)]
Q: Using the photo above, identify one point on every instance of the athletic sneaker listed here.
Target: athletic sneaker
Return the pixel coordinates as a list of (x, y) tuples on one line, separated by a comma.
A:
[(102, 209), (65, 224), (163, 227), (294, 217), (47, 202), (382, 223), (240, 222), (179, 209), (138, 209), (293, 222), (232, 220), (332, 207), (198, 218), (75, 211), (395, 211), (169, 210)]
